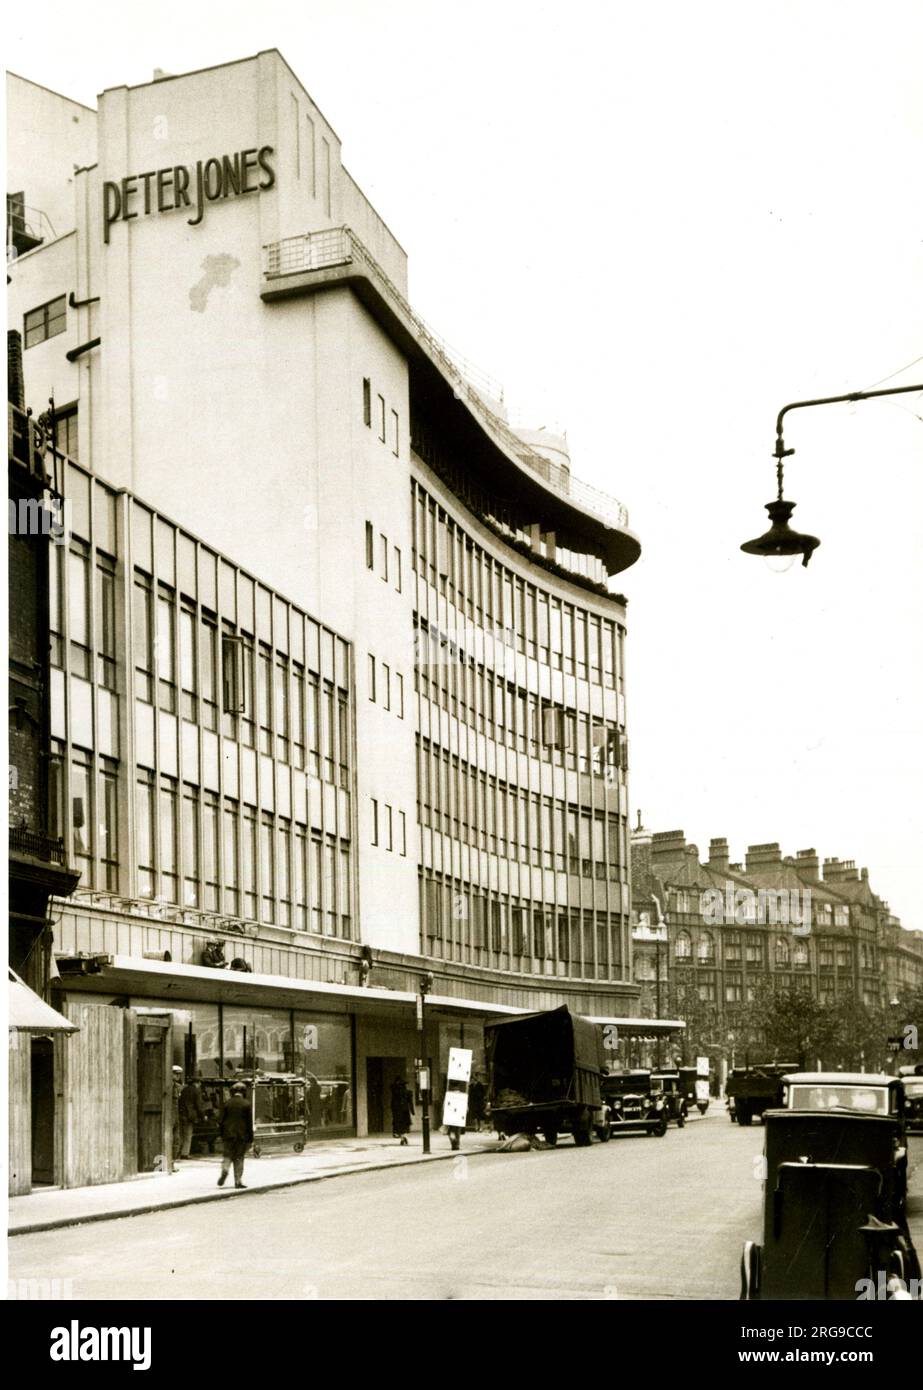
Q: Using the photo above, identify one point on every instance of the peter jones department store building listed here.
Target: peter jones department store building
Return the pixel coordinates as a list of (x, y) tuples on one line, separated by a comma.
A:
[(338, 688)]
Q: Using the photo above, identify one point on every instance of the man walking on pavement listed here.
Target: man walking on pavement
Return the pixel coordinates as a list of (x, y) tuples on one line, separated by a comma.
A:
[(191, 1110), (236, 1131)]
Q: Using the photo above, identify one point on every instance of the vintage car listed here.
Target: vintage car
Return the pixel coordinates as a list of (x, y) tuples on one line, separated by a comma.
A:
[(913, 1103), (633, 1104), (669, 1085), (835, 1167)]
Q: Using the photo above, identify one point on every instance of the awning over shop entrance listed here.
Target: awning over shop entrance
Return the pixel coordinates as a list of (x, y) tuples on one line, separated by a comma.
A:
[(30, 1014)]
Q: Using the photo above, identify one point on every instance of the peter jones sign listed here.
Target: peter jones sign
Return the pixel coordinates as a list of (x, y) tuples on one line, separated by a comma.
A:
[(182, 186)]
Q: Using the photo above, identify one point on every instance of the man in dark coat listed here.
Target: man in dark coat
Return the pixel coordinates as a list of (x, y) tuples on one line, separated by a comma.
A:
[(191, 1110), (236, 1131), (401, 1109)]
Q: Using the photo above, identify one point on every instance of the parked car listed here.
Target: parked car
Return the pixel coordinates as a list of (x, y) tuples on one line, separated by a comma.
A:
[(669, 1085), (835, 1192), (544, 1073), (633, 1104), (753, 1089), (913, 1103)]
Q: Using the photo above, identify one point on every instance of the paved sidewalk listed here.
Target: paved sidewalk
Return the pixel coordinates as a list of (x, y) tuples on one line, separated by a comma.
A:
[(195, 1179)]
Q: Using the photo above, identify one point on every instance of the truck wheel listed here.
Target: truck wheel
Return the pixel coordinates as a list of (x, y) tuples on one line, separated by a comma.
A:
[(551, 1137), (744, 1116), (681, 1122)]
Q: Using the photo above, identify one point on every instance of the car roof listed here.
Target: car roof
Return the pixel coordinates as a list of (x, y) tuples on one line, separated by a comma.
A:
[(839, 1078)]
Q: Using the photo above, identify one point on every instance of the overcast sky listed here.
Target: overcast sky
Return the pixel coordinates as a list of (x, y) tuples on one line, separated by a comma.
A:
[(657, 224)]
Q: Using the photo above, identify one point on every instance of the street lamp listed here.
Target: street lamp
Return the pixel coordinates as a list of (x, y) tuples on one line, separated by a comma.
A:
[(780, 545)]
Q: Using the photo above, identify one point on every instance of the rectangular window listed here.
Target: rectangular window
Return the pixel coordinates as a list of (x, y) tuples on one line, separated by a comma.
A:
[(298, 724), (231, 858), (403, 829), (187, 663), (208, 643), (105, 623), (282, 710), (144, 835), (166, 650), (45, 322), (400, 694), (316, 881), (82, 817), (267, 871), (372, 694), (386, 685), (395, 434), (210, 835), (398, 581), (190, 847), (330, 887), (367, 401), (249, 862), (343, 741), (381, 418), (284, 871), (389, 829), (369, 546), (78, 611), (383, 556), (344, 891), (109, 828), (264, 676), (169, 881), (374, 821)]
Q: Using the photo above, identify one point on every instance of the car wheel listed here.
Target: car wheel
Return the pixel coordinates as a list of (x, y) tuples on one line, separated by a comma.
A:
[(681, 1122), (551, 1137), (299, 1148), (660, 1129), (603, 1134)]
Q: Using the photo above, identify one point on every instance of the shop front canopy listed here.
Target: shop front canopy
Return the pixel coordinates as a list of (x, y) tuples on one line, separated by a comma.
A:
[(30, 1014)]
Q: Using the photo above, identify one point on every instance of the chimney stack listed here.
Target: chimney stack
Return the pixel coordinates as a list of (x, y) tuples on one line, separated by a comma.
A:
[(807, 865), (668, 844), (719, 856), (762, 858)]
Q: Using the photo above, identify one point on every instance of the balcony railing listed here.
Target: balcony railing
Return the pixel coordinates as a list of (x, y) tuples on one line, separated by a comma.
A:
[(336, 246), (26, 228), (36, 845)]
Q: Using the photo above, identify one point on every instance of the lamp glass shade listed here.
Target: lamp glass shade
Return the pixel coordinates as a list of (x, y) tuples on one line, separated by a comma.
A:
[(780, 540)]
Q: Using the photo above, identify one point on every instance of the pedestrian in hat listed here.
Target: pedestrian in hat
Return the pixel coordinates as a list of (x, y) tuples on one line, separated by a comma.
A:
[(236, 1130)]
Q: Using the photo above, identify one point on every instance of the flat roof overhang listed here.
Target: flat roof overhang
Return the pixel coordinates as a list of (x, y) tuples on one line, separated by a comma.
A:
[(170, 980), (617, 545)]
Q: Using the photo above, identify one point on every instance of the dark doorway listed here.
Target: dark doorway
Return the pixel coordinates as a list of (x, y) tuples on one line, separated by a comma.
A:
[(42, 1110), (152, 1062), (381, 1073)]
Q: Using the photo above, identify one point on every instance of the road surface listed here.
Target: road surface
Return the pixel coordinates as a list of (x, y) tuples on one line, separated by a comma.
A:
[(635, 1218)]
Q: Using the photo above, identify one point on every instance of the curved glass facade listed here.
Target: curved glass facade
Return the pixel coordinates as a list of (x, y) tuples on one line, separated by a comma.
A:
[(522, 761)]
